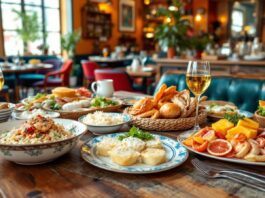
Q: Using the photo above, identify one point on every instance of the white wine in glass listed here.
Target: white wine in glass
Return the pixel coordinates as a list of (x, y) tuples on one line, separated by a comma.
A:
[(198, 79), (2, 80)]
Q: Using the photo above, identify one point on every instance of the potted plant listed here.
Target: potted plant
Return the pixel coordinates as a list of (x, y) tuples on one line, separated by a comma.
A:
[(68, 43), (30, 30), (172, 32), (199, 43)]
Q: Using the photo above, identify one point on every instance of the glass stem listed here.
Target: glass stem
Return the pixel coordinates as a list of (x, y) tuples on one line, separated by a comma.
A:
[(196, 127)]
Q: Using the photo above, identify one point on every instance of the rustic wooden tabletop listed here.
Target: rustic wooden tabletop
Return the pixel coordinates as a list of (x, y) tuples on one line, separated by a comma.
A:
[(71, 176)]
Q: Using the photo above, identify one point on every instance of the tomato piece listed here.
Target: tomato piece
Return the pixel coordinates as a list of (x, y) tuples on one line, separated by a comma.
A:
[(200, 147), (219, 135), (30, 129), (240, 137), (203, 131)]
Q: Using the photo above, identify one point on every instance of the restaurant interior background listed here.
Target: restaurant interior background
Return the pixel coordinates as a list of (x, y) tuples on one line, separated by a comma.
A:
[(145, 39)]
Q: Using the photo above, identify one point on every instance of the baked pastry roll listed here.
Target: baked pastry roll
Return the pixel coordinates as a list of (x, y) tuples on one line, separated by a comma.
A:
[(134, 143), (106, 145), (124, 156), (154, 143), (153, 156)]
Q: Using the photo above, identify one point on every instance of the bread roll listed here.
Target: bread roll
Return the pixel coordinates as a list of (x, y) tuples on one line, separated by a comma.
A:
[(64, 92), (106, 145), (124, 156), (170, 110), (153, 156)]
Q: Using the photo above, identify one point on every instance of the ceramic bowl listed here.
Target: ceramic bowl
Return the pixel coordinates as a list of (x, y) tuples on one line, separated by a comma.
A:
[(6, 113), (100, 130), (260, 119), (32, 154)]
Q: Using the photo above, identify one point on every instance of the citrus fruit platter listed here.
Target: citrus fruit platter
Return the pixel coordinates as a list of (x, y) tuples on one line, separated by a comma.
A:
[(235, 139)]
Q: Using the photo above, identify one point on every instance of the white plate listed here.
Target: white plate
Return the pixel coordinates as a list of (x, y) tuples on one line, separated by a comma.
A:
[(49, 114), (186, 134), (176, 155)]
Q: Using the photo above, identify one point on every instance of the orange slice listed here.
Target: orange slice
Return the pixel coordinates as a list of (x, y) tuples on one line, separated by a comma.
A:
[(262, 103), (219, 147)]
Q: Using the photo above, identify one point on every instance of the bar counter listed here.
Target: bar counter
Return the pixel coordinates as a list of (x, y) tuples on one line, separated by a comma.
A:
[(225, 67)]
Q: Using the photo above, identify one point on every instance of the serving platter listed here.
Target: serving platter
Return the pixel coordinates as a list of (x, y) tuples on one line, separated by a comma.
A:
[(215, 117), (186, 134), (176, 155), (20, 116)]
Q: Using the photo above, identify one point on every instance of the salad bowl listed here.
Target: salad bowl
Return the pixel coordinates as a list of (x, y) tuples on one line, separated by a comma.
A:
[(39, 153)]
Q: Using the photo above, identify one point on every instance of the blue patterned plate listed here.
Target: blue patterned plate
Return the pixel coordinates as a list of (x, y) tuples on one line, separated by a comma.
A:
[(176, 155)]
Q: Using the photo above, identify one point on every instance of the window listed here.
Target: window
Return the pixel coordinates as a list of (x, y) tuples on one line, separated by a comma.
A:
[(237, 20), (48, 12)]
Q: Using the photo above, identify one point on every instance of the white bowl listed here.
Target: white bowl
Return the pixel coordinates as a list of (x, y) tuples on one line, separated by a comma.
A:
[(6, 113), (100, 130), (32, 154)]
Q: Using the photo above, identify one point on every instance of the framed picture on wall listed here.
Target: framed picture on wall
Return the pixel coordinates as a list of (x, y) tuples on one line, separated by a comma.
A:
[(127, 15)]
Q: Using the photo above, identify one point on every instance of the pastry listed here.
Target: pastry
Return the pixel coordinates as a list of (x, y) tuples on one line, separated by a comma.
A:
[(134, 143), (124, 156), (153, 156), (105, 146)]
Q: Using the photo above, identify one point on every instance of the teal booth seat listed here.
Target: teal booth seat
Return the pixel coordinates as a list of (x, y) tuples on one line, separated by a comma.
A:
[(245, 93)]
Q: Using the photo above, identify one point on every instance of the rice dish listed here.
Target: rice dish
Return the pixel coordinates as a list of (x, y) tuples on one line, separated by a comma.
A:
[(36, 130), (100, 118)]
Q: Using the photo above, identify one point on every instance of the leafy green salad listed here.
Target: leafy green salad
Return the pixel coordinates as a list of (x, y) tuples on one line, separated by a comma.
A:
[(102, 102)]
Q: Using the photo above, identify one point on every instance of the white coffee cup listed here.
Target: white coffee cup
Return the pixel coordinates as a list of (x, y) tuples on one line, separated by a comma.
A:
[(103, 88)]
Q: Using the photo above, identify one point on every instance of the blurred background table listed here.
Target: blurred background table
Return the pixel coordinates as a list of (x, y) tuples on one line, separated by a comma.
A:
[(22, 69)]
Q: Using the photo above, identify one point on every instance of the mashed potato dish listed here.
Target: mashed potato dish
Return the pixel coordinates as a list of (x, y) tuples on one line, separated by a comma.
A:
[(100, 118), (35, 131), (130, 150)]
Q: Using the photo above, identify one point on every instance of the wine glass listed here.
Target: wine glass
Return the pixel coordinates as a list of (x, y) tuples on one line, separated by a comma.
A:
[(198, 79), (2, 81)]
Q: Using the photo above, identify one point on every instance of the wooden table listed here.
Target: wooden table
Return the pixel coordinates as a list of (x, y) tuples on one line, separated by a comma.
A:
[(71, 176), (22, 69)]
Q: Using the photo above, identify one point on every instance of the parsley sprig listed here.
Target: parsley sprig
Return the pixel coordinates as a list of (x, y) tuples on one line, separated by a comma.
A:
[(234, 117), (138, 133)]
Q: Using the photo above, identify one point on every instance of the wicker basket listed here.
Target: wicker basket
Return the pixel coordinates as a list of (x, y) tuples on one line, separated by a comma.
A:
[(168, 124)]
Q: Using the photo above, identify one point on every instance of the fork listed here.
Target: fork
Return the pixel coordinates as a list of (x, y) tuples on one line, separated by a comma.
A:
[(215, 174), (253, 176)]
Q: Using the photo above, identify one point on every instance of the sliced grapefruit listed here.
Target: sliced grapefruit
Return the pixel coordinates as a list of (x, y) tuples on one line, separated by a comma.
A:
[(219, 147)]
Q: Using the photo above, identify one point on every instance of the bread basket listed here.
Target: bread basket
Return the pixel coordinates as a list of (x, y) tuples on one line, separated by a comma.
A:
[(167, 124)]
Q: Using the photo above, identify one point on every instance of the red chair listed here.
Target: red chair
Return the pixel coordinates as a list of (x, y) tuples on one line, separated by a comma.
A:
[(89, 72), (121, 80), (62, 80)]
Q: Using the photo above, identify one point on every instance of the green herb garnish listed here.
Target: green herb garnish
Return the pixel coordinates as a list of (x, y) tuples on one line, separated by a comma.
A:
[(234, 117), (138, 133), (261, 111), (212, 105), (54, 105), (39, 95), (102, 102)]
